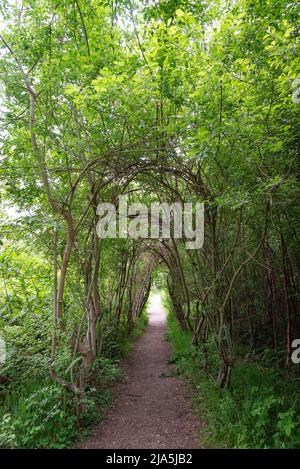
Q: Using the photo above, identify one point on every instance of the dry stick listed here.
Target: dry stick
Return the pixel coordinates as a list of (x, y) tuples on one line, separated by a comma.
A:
[(224, 265), (174, 253), (251, 256), (237, 272)]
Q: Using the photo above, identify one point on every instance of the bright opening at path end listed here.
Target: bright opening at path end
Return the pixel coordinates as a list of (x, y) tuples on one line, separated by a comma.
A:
[(155, 308)]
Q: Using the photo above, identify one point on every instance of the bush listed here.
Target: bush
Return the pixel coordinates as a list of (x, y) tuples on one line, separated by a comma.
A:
[(38, 419), (258, 411)]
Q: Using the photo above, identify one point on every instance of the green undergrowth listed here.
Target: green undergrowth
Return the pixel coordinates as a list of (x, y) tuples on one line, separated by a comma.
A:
[(35, 412), (127, 341), (261, 408)]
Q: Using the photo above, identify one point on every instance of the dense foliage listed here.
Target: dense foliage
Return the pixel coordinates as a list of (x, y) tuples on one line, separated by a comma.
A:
[(260, 409), (162, 100)]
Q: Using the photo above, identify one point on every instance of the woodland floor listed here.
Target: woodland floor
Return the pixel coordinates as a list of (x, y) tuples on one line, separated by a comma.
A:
[(152, 408)]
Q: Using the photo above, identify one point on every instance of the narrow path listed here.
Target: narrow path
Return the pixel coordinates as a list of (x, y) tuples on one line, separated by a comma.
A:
[(153, 407)]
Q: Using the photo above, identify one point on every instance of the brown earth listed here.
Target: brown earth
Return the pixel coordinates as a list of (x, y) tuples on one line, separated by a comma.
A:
[(152, 408)]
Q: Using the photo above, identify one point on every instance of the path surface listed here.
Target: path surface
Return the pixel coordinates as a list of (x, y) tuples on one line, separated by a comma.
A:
[(151, 410)]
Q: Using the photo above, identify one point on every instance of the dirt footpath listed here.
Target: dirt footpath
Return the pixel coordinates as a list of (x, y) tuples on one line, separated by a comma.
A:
[(153, 407)]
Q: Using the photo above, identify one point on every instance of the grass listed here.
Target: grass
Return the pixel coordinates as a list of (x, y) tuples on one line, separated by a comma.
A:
[(260, 410)]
